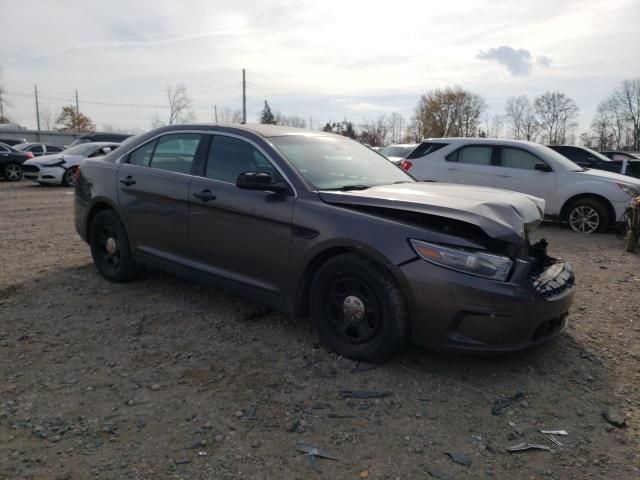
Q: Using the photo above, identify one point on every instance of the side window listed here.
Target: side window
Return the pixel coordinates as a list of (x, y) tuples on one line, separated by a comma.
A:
[(229, 157), (425, 148), (36, 149), (473, 155), (142, 156), (53, 148), (3, 148), (573, 154), (175, 152), (518, 158)]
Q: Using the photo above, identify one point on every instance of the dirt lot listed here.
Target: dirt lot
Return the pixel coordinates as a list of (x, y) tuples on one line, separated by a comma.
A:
[(165, 378)]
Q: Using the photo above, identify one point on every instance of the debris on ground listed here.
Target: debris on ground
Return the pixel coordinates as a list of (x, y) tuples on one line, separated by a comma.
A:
[(312, 453), (555, 441), (502, 403), (521, 447), (612, 416), (459, 458), (439, 474), (363, 394), (554, 432)]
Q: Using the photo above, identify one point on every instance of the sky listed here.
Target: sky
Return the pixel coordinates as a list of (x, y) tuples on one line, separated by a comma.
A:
[(322, 60)]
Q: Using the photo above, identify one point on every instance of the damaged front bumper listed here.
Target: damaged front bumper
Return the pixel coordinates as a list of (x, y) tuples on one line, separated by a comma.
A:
[(455, 311)]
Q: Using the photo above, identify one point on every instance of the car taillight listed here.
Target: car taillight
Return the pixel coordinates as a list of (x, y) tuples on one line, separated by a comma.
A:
[(406, 164), (29, 155), (76, 175)]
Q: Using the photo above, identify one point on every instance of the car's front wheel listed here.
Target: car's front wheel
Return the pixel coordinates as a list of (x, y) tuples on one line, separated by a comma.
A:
[(588, 215), (69, 177), (110, 248), (12, 172), (358, 308)]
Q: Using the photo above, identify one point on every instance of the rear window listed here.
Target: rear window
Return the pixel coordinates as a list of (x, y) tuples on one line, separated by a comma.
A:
[(425, 148)]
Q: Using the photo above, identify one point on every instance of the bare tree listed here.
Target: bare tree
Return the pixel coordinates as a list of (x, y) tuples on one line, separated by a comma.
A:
[(374, 132), (451, 111), (557, 114), (48, 117), (493, 125), (227, 115), (71, 120), (627, 99), (4, 103), (179, 104), (519, 114), (395, 125), (290, 120)]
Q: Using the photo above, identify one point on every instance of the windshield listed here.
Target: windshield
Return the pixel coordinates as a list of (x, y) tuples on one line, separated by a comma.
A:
[(79, 141), (396, 151), (332, 163), (558, 158), (82, 149)]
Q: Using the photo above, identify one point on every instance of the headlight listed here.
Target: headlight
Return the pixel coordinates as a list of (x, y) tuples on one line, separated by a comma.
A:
[(472, 262), (630, 190)]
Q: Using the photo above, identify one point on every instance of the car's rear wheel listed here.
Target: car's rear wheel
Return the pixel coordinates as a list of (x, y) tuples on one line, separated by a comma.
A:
[(110, 248), (588, 215), (358, 308), (12, 172), (69, 177)]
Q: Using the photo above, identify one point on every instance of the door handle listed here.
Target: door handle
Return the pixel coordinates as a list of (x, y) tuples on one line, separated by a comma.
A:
[(451, 168), (205, 195), (128, 181), (505, 175)]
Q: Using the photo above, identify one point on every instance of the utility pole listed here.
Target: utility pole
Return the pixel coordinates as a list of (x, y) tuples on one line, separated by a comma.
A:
[(35, 88), (244, 98), (215, 111), (77, 104)]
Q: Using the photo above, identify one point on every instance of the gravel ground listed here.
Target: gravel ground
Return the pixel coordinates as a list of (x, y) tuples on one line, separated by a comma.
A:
[(166, 378)]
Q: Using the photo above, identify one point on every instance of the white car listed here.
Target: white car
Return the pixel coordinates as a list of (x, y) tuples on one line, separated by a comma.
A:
[(398, 151), (59, 169), (590, 200)]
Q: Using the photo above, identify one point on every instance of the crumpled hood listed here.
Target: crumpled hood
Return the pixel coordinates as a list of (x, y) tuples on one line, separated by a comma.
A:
[(501, 214), (53, 158)]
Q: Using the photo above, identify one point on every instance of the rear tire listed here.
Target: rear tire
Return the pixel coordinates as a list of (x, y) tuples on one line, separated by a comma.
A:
[(110, 248), (12, 172), (588, 215), (358, 309)]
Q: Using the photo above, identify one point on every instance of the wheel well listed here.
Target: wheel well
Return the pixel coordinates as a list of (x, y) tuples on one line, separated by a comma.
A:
[(564, 212), (301, 308), (96, 209)]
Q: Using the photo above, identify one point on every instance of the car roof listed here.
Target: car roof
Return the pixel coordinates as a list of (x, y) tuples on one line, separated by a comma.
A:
[(260, 129), (480, 140)]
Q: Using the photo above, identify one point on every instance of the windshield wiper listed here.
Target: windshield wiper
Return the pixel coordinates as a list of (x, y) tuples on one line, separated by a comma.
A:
[(346, 188)]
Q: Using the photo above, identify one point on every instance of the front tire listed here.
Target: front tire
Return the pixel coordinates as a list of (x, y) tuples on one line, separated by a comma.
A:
[(69, 177), (588, 215), (110, 248), (358, 309), (12, 172)]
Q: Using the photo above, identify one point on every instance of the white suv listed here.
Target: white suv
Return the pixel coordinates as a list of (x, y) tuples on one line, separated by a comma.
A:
[(590, 200)]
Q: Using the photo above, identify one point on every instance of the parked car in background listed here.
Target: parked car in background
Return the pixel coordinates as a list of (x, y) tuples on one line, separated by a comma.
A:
[(12, 141), (398, 151), (11, 161), (589, 200), (38, 149), (587, 158), (59, 169), (100, 137), (630, 162), (376, 258)]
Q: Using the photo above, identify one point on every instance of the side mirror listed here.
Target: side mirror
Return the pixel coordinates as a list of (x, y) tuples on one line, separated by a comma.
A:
[(542, 167), (260, 181)]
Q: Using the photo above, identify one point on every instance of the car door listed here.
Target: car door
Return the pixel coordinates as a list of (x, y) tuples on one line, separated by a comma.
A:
[(521, 171), (153, 193), (238, 234), (471, 165)]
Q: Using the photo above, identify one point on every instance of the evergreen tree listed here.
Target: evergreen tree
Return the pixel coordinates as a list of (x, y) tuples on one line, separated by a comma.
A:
[(267, 117)]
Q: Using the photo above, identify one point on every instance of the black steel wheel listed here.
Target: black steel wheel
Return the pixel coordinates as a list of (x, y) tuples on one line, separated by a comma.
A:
[(110, 248), (358, 309)]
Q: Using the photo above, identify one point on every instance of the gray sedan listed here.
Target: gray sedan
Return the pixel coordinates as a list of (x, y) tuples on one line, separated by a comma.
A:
[(318, 225)]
